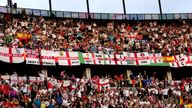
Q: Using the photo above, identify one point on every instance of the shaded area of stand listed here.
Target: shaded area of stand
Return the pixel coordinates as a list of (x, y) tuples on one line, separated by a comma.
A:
[(101, 70)]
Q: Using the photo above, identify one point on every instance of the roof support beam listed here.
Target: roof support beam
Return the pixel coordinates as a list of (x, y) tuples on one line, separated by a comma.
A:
[(160, 9), (124, 7)]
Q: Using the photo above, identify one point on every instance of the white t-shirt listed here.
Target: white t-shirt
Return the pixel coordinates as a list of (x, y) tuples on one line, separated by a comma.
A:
[(24, 89), (46, 103), (104, 106), (44, 91), (26, 24), (165, 91), (146, 102), (126, 93), (178, 93), (79, 94), (65, 102), (111, 93), (155, 91), (15, 88), (187, 88), (116, 93), (141, 102), (22, 23)]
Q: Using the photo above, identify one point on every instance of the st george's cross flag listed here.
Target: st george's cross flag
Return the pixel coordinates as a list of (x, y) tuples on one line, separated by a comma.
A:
[(109, 59), (189, 60), (129, 58), (155, 58), (137, 58), (100, 83), (12, 55), (47, 58), (67, 58), (142, 58), (98, 58), (120, 59)]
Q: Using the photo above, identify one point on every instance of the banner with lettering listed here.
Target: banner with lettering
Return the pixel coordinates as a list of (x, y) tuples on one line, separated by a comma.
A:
[(137, 58), (48, 58), (32, 57), (109, 59), (51, 58), (92, 58), (67, 58)]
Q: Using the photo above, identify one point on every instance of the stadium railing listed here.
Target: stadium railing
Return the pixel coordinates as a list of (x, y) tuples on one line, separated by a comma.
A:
[(104, 16)]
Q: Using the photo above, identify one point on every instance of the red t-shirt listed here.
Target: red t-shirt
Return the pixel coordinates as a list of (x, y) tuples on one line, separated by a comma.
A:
[(13, 104), (6, 104), (5, 89), (1, 88), (129, 27), (49, 85), (85, 98), (182, 87), (133, 82), (25, 98)]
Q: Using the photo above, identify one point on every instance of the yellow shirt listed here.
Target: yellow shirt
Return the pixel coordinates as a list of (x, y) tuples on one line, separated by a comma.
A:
[(43, 105), (189, 105)]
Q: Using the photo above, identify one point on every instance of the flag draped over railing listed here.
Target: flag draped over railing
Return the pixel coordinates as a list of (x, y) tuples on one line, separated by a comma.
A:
[(51, 58), (12, 55)]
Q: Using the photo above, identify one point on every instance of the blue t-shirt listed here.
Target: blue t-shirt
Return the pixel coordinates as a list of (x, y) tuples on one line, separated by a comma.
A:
[(51, 106), (59, 99), (37, 103)]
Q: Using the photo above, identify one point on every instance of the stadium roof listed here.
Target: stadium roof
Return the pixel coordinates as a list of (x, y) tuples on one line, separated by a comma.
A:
[(109, 6)]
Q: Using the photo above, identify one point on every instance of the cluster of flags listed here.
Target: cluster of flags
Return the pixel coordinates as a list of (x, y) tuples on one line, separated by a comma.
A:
[(98, 83), (51, 58)]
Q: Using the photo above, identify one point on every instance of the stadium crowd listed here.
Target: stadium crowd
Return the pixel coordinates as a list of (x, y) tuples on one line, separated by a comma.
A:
[(96, 36), (34, 32), (138, 92)]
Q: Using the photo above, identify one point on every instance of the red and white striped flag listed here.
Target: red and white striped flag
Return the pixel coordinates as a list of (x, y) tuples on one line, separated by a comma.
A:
[(189, 57), (32, 57), (180, 61)]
